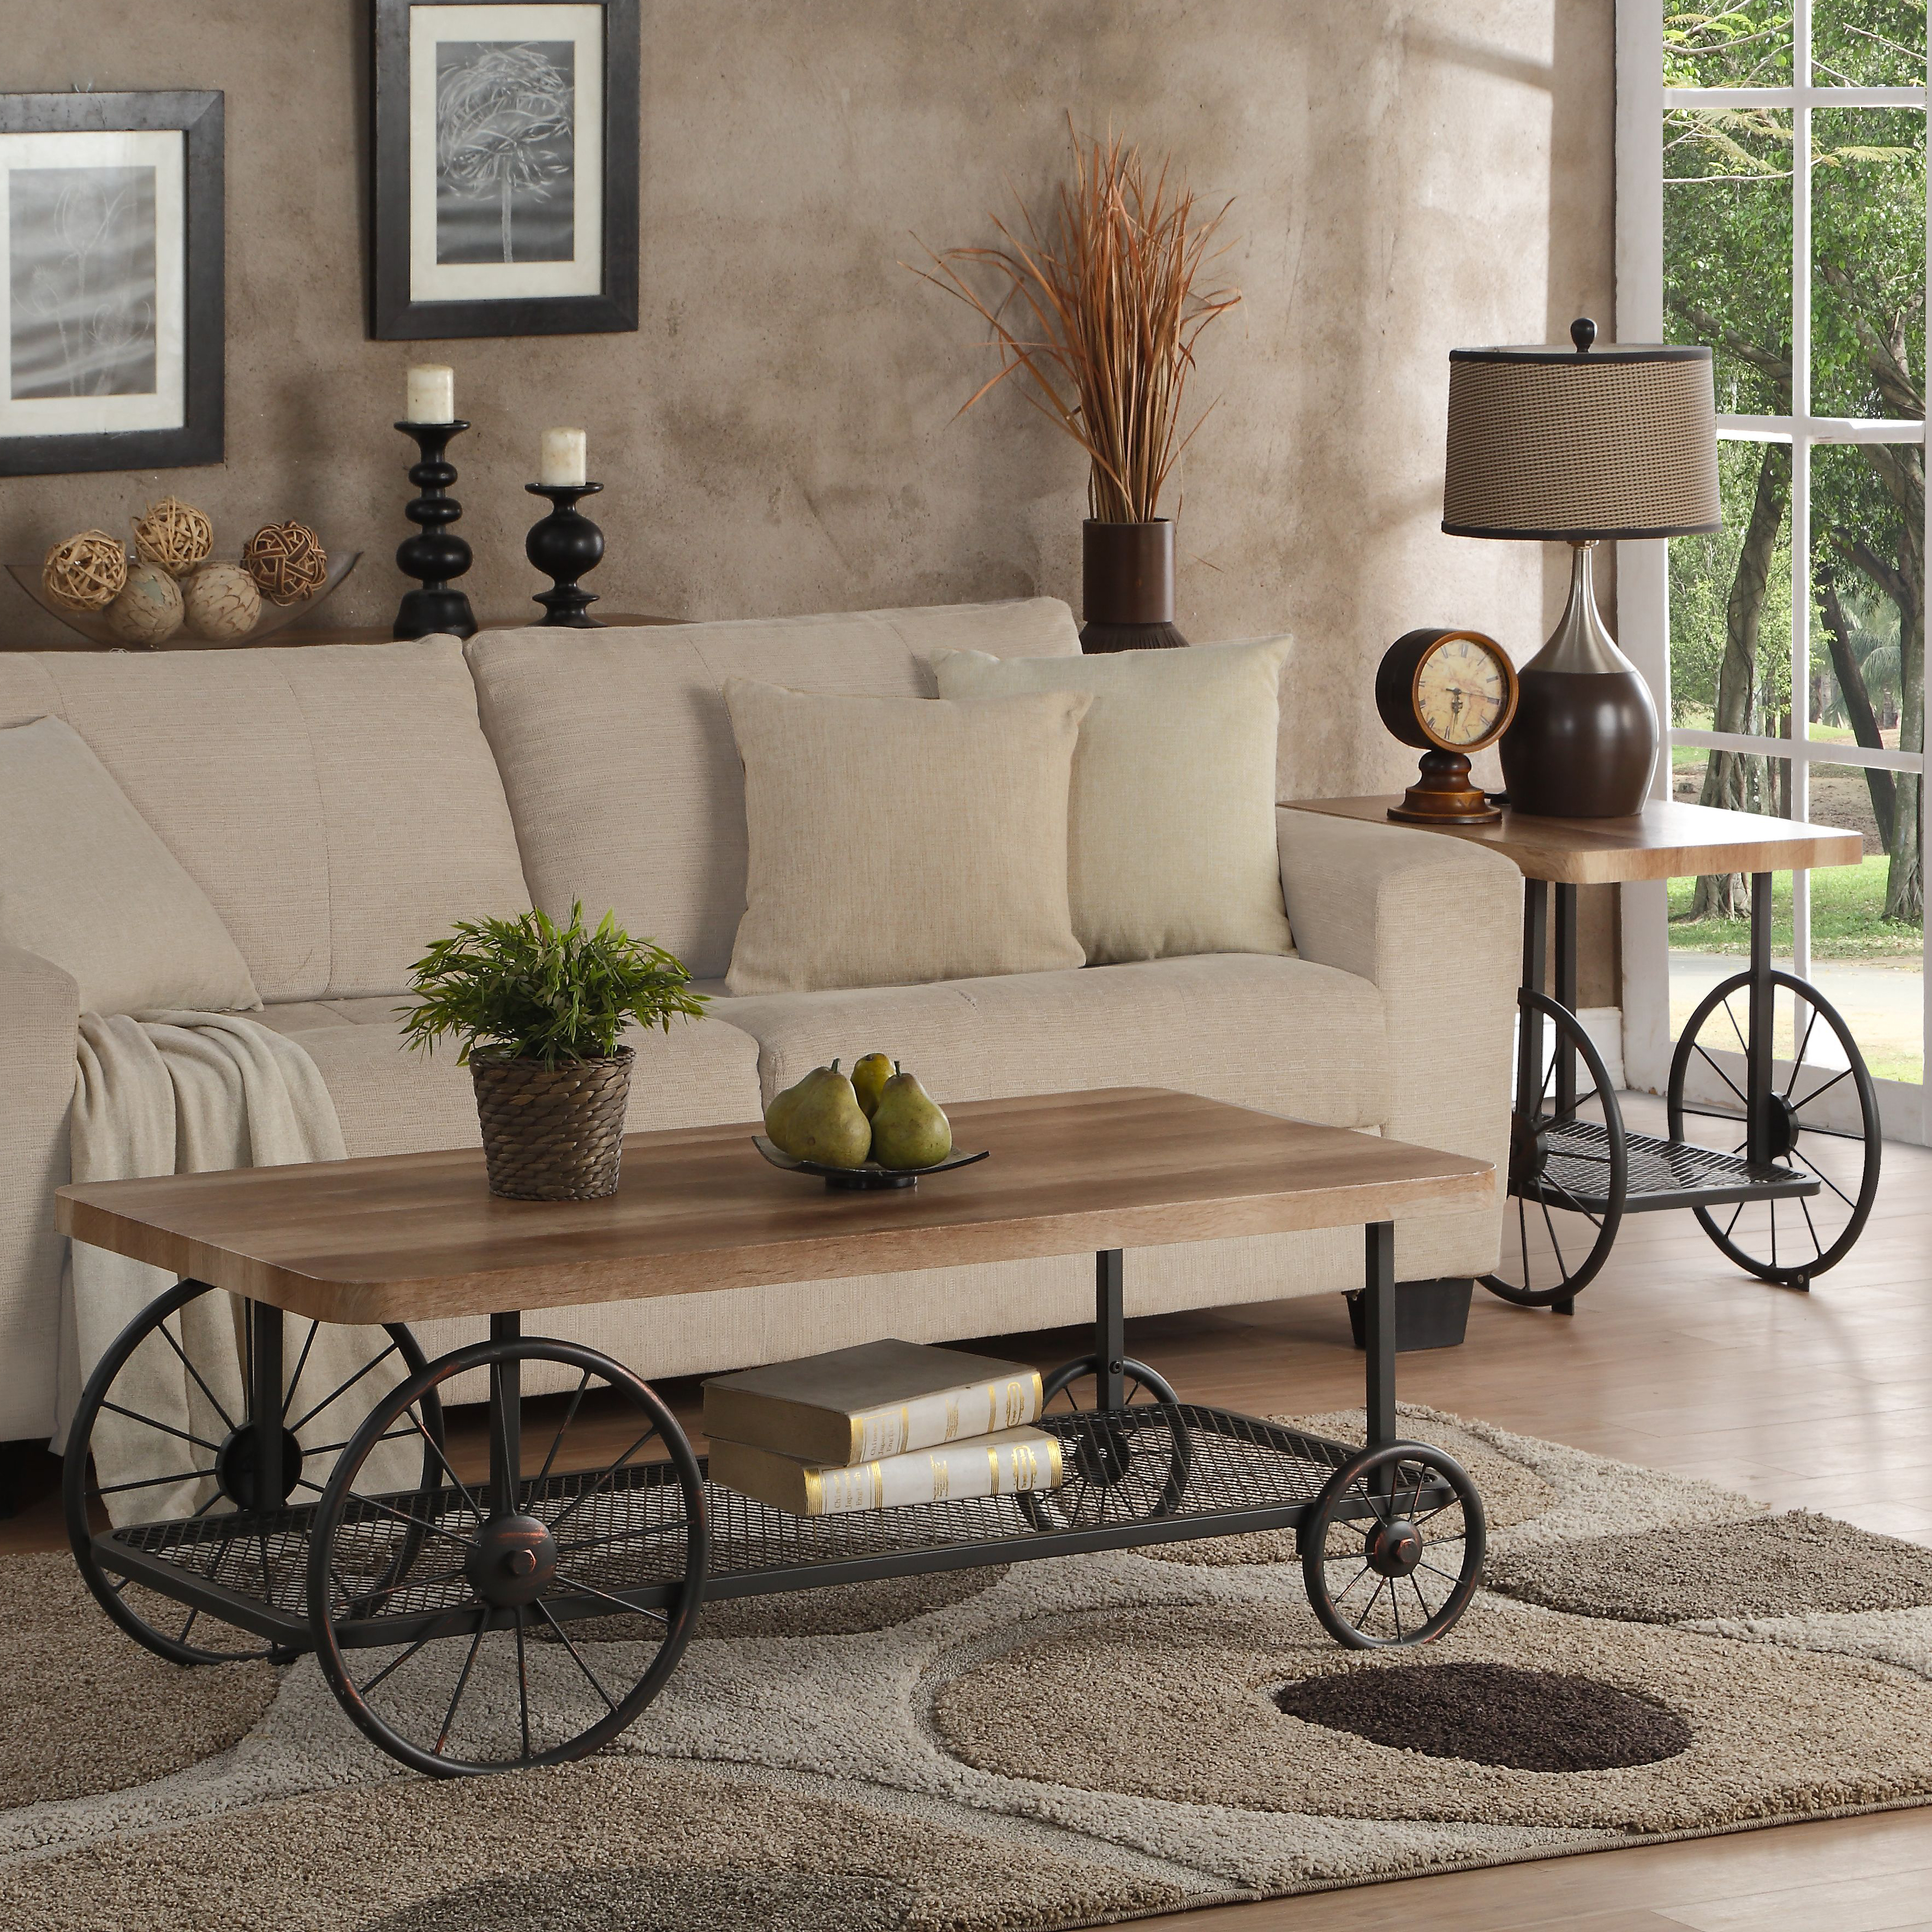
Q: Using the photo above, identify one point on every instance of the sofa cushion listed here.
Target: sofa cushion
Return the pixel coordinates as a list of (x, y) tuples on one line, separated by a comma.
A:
[(1286, 1035), (618, 758), (895, 840), (337, 803), (1171, 827), (85, 882), (392, 1100)]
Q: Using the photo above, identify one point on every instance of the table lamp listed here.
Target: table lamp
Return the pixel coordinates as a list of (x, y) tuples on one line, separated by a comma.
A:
[(1548, 445)]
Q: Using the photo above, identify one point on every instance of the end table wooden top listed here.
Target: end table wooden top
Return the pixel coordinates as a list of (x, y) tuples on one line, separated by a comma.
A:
[(404, 1238), (1667, 840)]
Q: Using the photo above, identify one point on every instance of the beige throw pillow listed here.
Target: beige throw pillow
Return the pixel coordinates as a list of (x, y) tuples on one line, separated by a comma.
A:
[(1172, 827), (896, 840), (86, 882)]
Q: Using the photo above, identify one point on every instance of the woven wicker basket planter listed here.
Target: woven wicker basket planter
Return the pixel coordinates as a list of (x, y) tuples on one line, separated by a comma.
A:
[(553, 1133)]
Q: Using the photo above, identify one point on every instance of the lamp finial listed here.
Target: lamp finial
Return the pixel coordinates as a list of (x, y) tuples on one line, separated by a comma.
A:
[(1583, 333)]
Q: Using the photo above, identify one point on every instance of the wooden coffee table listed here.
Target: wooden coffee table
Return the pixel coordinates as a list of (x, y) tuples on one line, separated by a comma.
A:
[(301, 1543), (1761, 1124)]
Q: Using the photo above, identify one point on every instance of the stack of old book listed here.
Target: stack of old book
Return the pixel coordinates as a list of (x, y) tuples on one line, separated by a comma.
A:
[(877, 1426)]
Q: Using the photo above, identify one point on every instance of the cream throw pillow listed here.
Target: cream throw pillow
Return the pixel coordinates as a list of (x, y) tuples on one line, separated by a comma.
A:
[(1171, 827), (894, 841), (86, 882)]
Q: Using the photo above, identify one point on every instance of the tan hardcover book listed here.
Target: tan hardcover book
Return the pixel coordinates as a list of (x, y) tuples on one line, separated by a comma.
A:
[(879, 1398), (999, 1464)]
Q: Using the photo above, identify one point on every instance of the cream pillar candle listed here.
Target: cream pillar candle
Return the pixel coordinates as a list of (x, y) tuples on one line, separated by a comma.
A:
[(562, 464), (432, 394)]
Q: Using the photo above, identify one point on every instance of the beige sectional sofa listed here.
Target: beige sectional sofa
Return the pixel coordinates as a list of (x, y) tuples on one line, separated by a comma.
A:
[(340, 806)]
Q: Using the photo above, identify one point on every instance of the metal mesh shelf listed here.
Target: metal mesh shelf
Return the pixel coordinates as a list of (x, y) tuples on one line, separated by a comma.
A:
[(1660, 1173), (623, 1532)]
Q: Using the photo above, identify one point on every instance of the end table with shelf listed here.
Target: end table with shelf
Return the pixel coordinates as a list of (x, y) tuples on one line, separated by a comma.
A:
[(1812, 1141)]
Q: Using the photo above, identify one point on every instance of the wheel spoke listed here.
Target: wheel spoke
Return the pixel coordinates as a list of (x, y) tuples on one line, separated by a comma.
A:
[(1731, 1014), (423, 1523), (395, 1664), (166, 1428), (1420, 1598), (564, 1639), (1369, 1608), (605, 1596), (584, 1495), (336, 1393), (1522, 1237), (188, 1625), (1576, 1207), (147, 1483), (562, 1428), (1817, 1245), (1562, 1266), (302, 1363), (1443, 1573), (1798, 1058), (678, 1526), (462, 1489), (1337, 1598), (462, 1683), (1733, 1221), (228, 1421), (1843, 1073), (1820, 1174), (522, 1680), (1720, 1071)]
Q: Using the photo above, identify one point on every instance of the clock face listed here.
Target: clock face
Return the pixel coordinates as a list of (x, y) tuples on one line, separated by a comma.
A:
[(1461, 693)]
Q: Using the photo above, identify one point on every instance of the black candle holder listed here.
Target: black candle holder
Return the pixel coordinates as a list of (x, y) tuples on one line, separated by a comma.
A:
[(438, 553), (564, 545)]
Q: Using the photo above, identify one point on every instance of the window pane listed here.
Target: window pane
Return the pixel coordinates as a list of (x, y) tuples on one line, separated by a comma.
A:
[(1867, 42), (1727, 249), (1867, 921), (1747, 45), (1730, 628), (1868, 246)]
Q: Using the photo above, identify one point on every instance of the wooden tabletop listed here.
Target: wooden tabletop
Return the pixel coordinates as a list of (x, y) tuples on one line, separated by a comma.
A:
[(298, 634), (1667, 840), (407, 1236)]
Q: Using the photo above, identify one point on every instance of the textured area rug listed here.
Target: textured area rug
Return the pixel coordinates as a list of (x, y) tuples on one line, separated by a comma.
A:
[(1060, 1744)]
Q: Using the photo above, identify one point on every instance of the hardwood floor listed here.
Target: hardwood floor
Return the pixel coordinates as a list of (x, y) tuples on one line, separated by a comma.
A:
[(1673, 1359)]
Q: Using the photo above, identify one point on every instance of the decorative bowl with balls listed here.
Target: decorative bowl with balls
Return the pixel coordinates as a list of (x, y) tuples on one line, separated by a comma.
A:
[(170, 588)]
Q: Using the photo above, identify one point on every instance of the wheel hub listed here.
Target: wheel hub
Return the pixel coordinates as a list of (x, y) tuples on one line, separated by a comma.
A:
[(512, 1560), (236, 1461), (1529, 1153), (1394, 1548), (1780, 1127)]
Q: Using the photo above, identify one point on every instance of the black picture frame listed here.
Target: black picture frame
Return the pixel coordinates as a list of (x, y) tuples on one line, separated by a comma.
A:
[(396, 312), (197, 116)]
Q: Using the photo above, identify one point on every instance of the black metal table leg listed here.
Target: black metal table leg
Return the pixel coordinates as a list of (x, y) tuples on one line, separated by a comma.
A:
[(1564, 990), (506, 1418), (1760, 1028), (1110, 1342), (1379, 1324), (264, 1364), (1529, 1044)]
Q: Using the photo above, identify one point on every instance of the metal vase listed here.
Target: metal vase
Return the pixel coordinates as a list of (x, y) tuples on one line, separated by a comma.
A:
[(1126, 592)]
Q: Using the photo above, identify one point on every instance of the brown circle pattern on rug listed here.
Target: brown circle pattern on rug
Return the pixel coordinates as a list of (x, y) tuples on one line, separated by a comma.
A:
[(1174, 1704), (1771, 1566), (1492, 1714), (646, 1900), (1511, 1493), (85, 1709)]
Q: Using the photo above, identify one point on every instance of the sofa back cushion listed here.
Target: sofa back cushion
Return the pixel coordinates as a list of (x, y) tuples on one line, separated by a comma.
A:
[(616, 751), (337, 803)]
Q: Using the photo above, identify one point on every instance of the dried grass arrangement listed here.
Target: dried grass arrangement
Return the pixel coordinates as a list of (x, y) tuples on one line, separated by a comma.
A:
[(1098, 309)]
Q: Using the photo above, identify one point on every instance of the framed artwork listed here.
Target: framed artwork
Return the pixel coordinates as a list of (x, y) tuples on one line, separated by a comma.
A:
[(111, 241), (506, 167)]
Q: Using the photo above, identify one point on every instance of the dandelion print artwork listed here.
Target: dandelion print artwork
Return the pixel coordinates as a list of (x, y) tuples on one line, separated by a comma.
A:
[(504, 151)]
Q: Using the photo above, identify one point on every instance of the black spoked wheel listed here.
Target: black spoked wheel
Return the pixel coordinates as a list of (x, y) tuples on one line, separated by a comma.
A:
[(1122, 1465), (1821, 1120), (486, 1625), (163, 1433), (1569, 1165), (1392, 1548)]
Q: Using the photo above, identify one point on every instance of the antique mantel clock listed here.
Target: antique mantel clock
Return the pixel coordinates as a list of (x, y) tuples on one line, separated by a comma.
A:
[(1448, 693)]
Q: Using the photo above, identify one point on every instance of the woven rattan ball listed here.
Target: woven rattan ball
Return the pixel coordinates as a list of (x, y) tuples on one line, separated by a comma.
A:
[(221, 602), (86, 572), (148, 611), (174, 534), (287, 561)]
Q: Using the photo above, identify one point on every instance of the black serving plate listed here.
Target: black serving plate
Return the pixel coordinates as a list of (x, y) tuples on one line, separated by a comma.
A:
[(862, 1179)]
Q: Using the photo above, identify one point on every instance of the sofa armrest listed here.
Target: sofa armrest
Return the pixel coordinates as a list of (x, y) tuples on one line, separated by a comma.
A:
[(1437, 924), (40, 1018)]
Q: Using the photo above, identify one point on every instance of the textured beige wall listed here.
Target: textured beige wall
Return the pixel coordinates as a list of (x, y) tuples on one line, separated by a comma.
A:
[(1408, 174)]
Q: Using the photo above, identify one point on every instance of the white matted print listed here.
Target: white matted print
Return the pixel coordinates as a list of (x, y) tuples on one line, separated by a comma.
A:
[(93, 228), (506, 151)]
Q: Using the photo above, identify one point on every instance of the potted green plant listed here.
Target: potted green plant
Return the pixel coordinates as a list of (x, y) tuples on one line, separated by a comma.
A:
[(1097, 309), (540, 1008)]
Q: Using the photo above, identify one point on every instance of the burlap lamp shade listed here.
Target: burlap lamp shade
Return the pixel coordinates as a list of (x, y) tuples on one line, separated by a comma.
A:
[(1578, 446)]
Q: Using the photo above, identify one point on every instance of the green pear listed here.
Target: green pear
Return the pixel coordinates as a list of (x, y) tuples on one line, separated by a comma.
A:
[(826, 1124), (908, 1129), (869, 1076), (778, 1115)]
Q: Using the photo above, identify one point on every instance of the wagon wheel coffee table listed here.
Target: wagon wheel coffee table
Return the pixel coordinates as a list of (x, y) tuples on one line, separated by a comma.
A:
[(481, 1623), (1800, 1132)]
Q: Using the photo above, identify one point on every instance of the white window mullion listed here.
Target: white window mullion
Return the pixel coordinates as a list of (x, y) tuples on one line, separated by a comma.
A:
[(1801, 466)]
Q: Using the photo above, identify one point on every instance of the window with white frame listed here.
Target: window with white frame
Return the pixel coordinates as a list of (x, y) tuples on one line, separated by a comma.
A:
[(1771, 202)]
